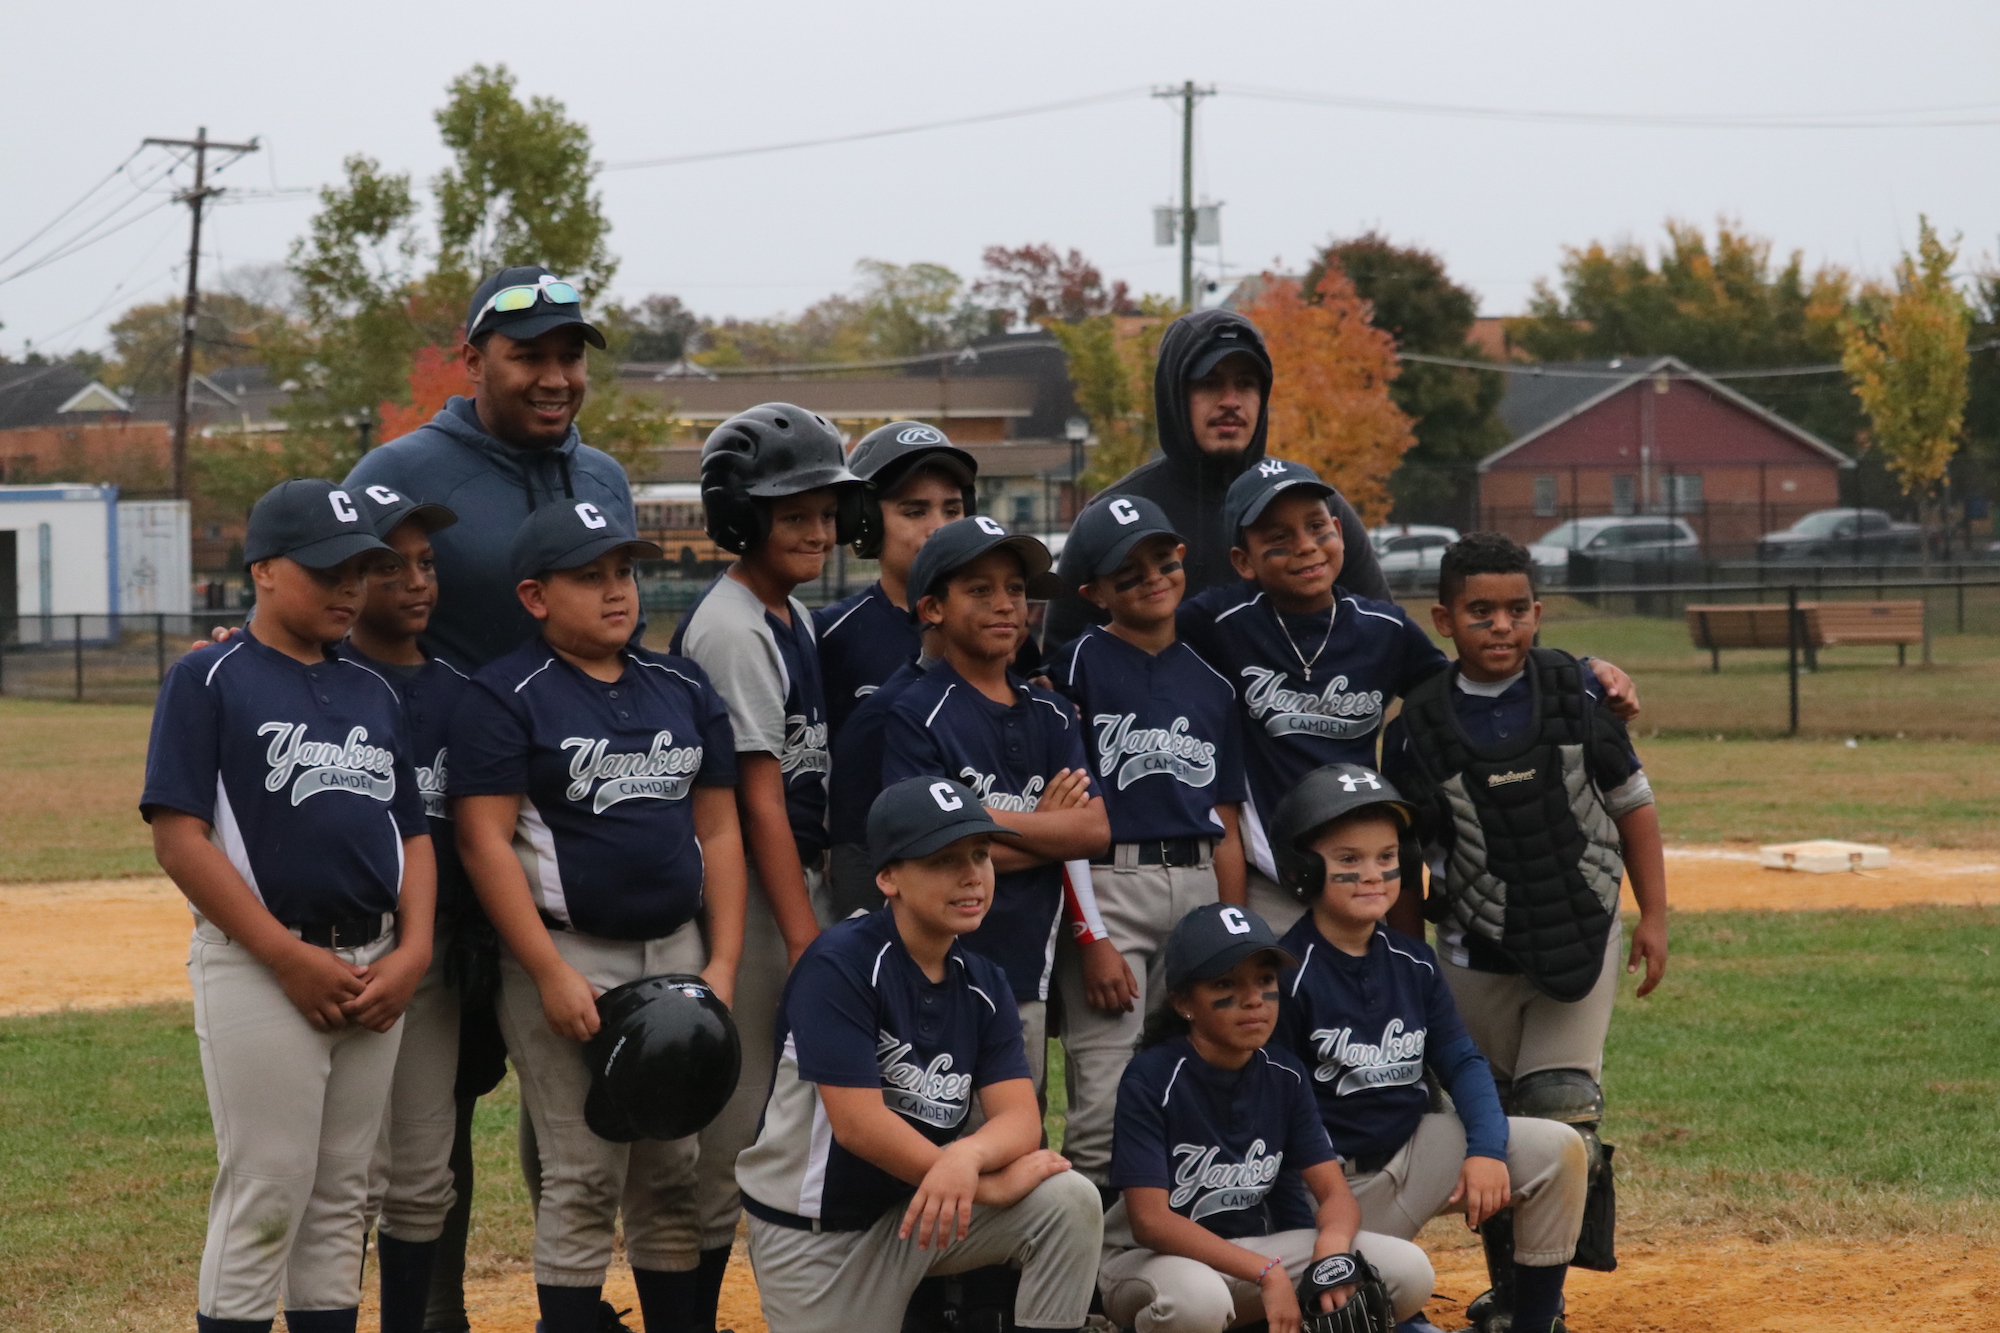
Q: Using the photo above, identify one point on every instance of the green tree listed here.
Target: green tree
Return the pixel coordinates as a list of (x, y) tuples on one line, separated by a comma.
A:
[(1111, 363), (658, 328), (230, 330), (1906, 359), (1455, 411), (1716, 304), (1979, 461), (519, 190)]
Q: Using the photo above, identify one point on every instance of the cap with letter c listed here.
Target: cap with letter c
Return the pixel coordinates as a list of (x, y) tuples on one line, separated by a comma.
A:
[(1105, 533), (313, 522), (962, 541), (568, 534), (1212, 939), (918, 816)]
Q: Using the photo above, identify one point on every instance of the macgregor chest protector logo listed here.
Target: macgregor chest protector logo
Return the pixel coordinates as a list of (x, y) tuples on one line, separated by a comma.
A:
[(352, 765), (1221, 1187), (1397, 1061), (1337, 713), (1138, 752), (663, 772), (930, 1093)]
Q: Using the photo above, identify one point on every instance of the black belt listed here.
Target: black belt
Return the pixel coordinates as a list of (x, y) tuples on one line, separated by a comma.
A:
[(1367, 1164), (349, 934), (778, 1218), (1162, 852), (551, 922)]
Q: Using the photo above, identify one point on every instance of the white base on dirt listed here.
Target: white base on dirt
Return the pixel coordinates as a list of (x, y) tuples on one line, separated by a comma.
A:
[(1823, 857)]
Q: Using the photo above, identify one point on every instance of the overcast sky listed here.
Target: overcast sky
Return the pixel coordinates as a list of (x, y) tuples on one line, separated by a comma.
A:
[(761, 235)]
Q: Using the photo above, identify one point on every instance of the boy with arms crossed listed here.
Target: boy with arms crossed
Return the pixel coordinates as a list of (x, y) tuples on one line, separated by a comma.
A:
[(1519, 744), (1018, 746), (1368, 1013), (411, 1188), (776, 490), (285, 806), (1212, 1116), (592, 784), (863, 1179), (1163, 736)]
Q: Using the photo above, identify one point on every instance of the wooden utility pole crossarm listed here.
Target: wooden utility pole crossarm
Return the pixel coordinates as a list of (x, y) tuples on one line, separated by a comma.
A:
[(194, 199)]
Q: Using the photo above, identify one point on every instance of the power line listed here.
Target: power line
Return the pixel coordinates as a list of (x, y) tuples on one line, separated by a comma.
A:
[(100, 226), (954, 122), (81, 199), (1946, 117)]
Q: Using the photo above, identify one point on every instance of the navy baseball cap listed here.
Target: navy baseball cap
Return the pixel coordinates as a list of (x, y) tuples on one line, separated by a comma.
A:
[(1105, 533), (1262, 483), (523, 314), (570, 534), (962, 541), (1214, 938), (311, 521), (386, 508), (1229, 340), (917, 816)]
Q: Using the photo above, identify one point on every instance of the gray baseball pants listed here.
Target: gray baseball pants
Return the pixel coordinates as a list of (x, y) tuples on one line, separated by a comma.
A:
[(1140, 905), (297, 1114), (1546, 1173), (1520, 1030), (760, 981), (856, 1281), (409, 1183), (1279, 906), (586, 1182), (1165, 1293)]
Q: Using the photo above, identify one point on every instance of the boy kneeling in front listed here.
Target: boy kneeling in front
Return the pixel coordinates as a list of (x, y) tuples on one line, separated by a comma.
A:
[(862, 1182)]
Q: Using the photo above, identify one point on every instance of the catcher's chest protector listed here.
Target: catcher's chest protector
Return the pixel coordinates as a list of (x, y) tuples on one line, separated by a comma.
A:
[(1532, 862)]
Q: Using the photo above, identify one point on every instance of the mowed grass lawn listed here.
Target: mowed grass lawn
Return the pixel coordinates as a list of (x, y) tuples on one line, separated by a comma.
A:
[(70, 777), (1798, 1074)]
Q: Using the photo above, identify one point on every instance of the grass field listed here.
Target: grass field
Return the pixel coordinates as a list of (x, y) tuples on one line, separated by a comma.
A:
[(1822, 1074)]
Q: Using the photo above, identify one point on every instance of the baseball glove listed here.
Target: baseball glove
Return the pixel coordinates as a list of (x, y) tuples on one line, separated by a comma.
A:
[(1367, 1309)]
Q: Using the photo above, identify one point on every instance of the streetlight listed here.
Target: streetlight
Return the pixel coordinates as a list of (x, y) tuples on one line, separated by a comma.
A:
[(1076, 430)]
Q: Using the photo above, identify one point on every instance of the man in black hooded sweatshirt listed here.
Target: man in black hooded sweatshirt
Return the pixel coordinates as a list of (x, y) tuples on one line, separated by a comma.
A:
[(1209, 393)]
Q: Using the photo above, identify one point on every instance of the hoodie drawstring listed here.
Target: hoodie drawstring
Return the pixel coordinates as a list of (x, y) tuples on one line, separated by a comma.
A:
[(527, 475)]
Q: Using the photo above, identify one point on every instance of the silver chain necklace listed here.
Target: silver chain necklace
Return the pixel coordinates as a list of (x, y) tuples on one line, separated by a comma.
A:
[(1306, 663)]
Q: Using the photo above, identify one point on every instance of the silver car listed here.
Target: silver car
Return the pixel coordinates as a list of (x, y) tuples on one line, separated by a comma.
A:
[(1641, 538)]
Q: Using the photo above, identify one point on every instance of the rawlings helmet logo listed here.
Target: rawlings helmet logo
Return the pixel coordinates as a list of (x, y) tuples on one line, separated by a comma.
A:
[(1271, 467), (919, 435), (1336, 1270)]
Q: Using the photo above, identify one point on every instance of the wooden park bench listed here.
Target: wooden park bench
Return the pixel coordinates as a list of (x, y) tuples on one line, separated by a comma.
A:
[(1823, 625)]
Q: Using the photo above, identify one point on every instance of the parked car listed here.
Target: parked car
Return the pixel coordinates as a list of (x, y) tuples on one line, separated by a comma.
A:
[(1640, 538), (1409, 554), (1830, 535)]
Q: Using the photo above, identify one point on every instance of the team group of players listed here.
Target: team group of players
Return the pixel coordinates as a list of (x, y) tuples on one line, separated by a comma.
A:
[(907, 844)]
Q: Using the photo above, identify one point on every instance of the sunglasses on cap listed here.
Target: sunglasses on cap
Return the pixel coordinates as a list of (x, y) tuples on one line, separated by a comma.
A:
[(509, 299)]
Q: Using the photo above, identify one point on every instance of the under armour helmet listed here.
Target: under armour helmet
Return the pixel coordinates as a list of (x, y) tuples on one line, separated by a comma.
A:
[(1322, 796), (664, 1060)]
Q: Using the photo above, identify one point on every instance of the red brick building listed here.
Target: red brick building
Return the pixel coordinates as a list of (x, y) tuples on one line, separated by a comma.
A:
[(1651, 435)]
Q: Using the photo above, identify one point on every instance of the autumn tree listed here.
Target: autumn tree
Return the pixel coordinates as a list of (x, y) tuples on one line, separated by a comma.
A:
[(230, 330), (1906, 362), (1454, 411), (1111, 363), (1331, 408), (1716, 304), (657, 328), (895, 310), (1032, 284)]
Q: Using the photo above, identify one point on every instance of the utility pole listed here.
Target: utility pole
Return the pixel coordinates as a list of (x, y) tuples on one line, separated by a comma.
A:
[(194, 199), (1188, 95)]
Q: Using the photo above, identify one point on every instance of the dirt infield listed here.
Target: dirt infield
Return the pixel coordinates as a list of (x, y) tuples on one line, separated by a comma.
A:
[(111, 943)]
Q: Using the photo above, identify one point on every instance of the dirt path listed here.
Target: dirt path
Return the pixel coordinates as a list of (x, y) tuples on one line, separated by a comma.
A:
[(106, 944)]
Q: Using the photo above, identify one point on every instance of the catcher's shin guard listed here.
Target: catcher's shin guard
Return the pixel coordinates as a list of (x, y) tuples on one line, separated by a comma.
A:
[(1573, 1098), (1367, 1309), (1492, 1311)]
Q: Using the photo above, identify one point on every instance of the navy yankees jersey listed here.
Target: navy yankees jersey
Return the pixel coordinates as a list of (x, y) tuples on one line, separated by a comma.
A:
[(1215, 1139), (1312, 688), (430, 696), (856, 779), (768, 673), (940, 726), (1162, 734), (300, 770), (1366, 1028), (863, 639), (857, 1012), (606, 773)]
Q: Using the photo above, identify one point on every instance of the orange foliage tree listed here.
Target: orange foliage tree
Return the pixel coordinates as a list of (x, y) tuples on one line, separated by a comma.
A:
[(1330, 407), (435, 376)]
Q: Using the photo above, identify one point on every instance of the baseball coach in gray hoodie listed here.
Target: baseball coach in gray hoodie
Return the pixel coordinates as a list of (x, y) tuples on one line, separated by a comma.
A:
[(499, 455)]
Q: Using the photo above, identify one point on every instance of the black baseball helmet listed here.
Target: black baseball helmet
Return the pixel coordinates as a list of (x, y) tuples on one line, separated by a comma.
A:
[(885, 456), (664, 1061), (772, 450), (1322, 796)]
